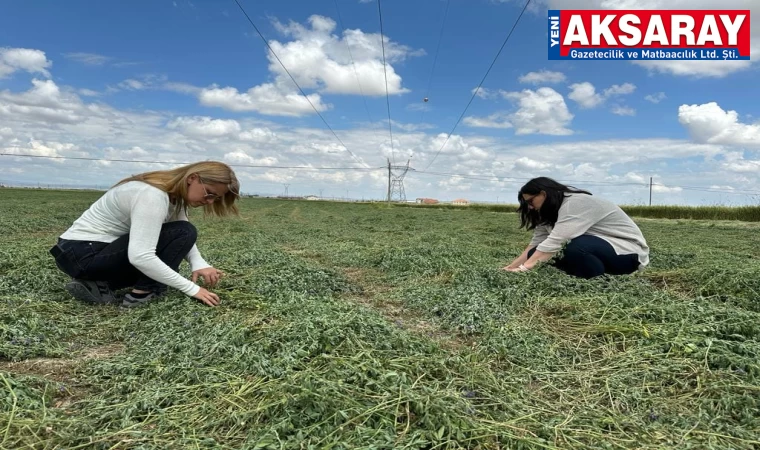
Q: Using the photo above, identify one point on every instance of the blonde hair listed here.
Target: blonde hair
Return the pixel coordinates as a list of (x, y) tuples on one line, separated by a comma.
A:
[(174, 183)]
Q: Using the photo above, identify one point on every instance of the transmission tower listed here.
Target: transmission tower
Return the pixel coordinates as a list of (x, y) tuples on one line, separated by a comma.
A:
[(396, 174)]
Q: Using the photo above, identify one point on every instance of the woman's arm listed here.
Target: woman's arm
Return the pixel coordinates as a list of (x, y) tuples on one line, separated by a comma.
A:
[(520, 259), (537, 257), (146, 216), (576, 216), (540, 233), (198, 265)]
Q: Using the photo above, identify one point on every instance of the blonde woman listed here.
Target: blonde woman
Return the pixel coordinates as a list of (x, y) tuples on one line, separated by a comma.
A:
[(137, 234)]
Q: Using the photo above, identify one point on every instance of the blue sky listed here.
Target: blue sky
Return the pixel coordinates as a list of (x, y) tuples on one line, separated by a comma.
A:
[(182, 81)]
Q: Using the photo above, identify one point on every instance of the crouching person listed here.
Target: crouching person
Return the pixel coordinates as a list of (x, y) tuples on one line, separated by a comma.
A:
[(594, 235), (137, 234)]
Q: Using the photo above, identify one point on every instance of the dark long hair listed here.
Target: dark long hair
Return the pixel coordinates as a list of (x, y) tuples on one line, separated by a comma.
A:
[(555, 195)]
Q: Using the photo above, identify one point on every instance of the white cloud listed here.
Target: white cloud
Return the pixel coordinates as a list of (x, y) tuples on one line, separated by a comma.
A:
[(182, 88), (542, 111), (132, 84), (266, 98), (485, 93), (699, 69), (44, 101), (608, 153), (43, 148), (88, 93), (623, 111), (733, 156), (418, 107), (636, 178), (531, 165), (240, 157), (258, 135), (655, 98), (411, 126), (205, 127), (620, 89), (743, 166), (134, 153), (496, 120), (665, 189), (48, 119), (585, 95), (735, 162), (709, 123), (457, 146), (543, 77), (90, 59), (29, 60), (47, 110), (318, 60), (149, 81)]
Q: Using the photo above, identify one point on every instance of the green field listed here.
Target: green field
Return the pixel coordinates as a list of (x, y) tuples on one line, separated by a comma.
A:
[(349, 326), (743, 213)]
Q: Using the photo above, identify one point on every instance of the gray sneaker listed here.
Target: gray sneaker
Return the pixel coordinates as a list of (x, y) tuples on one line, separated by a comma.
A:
[(131, 302), (96, 292)]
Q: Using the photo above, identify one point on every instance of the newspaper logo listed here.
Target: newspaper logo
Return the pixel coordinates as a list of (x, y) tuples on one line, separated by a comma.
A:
[(649, 34)]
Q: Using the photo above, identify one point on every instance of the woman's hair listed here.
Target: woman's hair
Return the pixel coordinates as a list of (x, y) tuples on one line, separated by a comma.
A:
[(555, 195), (174, 183)]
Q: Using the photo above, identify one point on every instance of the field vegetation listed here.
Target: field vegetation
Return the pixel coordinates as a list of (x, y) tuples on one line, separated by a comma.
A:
[(746, 213), (351, 326)]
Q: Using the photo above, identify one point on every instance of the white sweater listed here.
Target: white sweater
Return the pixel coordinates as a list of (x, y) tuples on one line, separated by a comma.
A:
[(139, 209), (587, 214)]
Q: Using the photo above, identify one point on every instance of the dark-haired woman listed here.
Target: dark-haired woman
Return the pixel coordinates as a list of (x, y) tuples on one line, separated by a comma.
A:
[(595, 236)]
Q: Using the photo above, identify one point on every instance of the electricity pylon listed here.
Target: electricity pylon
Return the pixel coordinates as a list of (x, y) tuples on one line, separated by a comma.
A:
[(396, 176)]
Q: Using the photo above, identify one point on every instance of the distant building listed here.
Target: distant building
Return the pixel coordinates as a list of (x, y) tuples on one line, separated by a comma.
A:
[(427, 201), (311, 197), (461, 202)]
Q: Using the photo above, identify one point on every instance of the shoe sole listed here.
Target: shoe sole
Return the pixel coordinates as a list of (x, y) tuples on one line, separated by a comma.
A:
[(80, 292)]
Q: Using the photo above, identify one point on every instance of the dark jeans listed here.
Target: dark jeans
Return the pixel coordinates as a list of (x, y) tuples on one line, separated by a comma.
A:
[(109, 262), (590, 256)]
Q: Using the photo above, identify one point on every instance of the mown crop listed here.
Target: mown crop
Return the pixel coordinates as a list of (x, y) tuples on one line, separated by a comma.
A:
[(747, 213), (361, 326)]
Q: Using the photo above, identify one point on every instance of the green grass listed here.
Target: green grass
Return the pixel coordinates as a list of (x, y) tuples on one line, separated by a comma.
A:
[(361, 326), (743, 213)]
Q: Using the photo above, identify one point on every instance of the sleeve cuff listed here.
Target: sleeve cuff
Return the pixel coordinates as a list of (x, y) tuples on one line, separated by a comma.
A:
[(191, 291)]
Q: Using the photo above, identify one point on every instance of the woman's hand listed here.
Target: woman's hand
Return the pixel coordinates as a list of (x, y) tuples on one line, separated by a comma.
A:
[(210, 276), (520, 268), (207, 297)]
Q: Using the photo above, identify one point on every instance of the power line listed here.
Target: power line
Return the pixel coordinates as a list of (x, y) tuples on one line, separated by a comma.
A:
[(385, 72), (81, 158), (475, 92), (296, 83), (435, 58), (353, 64)]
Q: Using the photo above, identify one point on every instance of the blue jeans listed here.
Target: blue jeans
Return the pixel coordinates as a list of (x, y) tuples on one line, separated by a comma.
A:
[(109, 262), (591, 256)]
